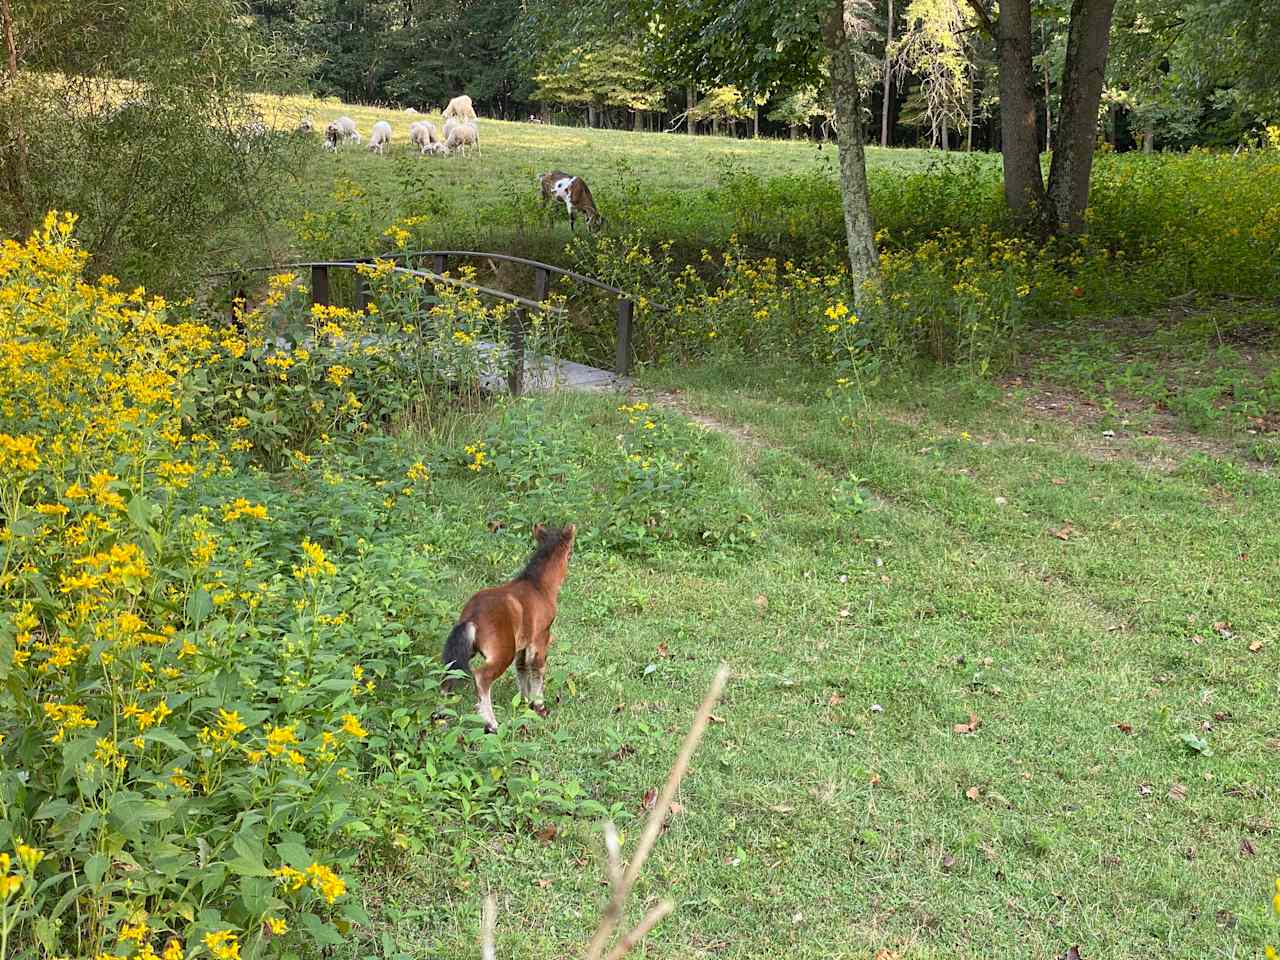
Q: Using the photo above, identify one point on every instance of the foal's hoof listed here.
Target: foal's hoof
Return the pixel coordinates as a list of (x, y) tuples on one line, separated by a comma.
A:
[(540, 709)]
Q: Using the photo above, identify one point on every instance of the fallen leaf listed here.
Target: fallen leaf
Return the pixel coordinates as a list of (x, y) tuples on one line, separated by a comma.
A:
[(1255, 646), (1223, 629), (1222, 716), (969, 727), (676, 808), (1178, 792), (886, 955), (714, 719), (762, 602), (973, 793), (1246, 848), (1059, 481), (649, 799), (1073, 953), (1125, 728), (844, 613), (1001, 501), (543, 883), (1144, 789), (1197, 639), (782, 808), (835, 700), (663, 650), (874, 779), (948, 862), (548, 833), (876, 708), (1065, 531)]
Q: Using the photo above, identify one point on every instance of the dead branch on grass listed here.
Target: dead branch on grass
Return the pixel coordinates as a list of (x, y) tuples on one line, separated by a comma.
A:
[(620, 881)]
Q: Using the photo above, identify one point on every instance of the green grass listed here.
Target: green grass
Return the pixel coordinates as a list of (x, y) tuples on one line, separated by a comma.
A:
[(1207, 368), (908, 559), (662, 186)]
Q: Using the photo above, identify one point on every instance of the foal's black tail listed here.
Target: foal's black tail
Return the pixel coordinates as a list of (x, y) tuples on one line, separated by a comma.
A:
[(459, 648)]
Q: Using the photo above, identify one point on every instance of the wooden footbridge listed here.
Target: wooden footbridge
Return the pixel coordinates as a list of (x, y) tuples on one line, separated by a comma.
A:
[(526, 371)]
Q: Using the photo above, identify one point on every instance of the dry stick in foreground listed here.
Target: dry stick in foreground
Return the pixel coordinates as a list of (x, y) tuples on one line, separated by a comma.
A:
[(620, 882)]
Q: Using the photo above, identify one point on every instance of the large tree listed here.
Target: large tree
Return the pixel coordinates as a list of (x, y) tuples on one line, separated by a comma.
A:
[(1061, 206), (763, 45)]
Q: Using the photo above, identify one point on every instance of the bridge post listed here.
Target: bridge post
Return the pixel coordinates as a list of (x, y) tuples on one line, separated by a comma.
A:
[(320, 284), (541, 284), (626, 311), (515, 376), (362, 298), (439, 263)]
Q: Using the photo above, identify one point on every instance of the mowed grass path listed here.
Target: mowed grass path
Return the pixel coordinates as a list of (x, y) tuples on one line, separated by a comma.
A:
[(1098, 615)]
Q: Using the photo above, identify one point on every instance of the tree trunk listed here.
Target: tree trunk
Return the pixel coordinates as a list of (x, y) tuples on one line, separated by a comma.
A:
[(690, 98), (715, 126), (795, 131), (18, 172), (591, 114), (1019, 139), (1087, 45), (945, 138), (1148, 135), (1048, 109), (968, 140), (755, 123), (888, 79), (864, 263), (638, 126)]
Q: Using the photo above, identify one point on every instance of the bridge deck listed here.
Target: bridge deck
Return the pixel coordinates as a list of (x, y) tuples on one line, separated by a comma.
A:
[(547, 373)]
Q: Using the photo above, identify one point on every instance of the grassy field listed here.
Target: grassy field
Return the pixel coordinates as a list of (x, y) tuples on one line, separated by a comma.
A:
[(1101, 613), (658, 184)]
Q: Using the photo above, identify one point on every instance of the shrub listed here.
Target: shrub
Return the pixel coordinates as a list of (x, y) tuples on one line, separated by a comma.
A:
[(196, 668)]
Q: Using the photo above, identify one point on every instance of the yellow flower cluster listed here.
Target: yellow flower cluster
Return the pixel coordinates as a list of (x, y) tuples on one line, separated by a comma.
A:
[(240, 507), (321, 878), (479, 456)]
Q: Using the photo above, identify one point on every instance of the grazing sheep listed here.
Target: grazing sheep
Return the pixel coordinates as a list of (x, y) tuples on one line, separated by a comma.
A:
[(423, 134), (449, 126), (575, 195), (332, 134), (462, 136), (410, 110), (380, 137), (347, 127), (306, 125), (436, 149), (460, 109)]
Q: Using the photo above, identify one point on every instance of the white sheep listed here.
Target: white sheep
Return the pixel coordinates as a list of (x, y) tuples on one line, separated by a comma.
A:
[(462, 136), (306, 125), (332, 134), (460, 109), (449, 126), (380, 137), (423, 135), (347, 128)]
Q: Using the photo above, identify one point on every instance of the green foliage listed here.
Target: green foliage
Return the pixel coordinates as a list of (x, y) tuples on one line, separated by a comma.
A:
[(138, 121), (610, 77)]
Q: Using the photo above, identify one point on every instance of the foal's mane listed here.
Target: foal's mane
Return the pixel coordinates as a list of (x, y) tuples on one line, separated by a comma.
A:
[(542, 555)]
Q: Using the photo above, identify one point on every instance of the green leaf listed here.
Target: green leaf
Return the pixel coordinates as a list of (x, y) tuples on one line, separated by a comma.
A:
[(95, 868), (52, 809), (198, 605), (294, 854), (1196, 744), (322, 933), (140, 512)]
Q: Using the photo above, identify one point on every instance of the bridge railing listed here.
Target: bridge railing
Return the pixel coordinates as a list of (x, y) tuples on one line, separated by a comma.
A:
[(321, 292)]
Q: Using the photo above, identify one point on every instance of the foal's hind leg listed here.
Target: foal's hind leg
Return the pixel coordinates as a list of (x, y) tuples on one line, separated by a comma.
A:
[(537, 666), (488, 672), (523, 677)]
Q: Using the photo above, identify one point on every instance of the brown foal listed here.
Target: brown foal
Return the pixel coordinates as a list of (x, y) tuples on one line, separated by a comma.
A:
[(513, 622)]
